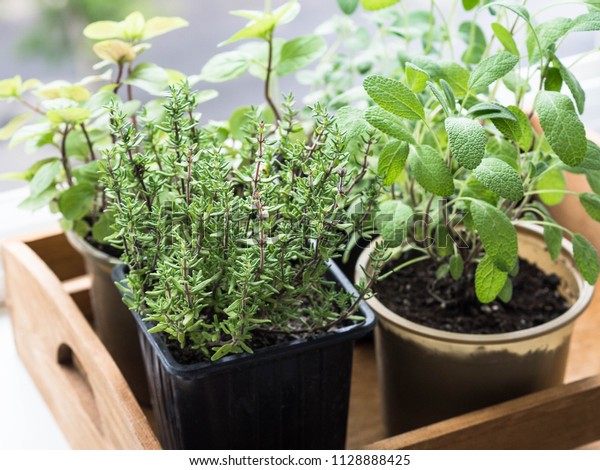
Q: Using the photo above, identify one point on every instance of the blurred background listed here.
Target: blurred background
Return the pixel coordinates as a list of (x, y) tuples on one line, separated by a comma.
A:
[(43, 39)]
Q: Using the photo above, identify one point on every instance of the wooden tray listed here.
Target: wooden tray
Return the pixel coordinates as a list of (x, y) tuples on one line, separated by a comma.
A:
[(47, 295)]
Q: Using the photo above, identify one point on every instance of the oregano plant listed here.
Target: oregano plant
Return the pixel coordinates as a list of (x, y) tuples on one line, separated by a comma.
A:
[(226, 257), (463, 161)]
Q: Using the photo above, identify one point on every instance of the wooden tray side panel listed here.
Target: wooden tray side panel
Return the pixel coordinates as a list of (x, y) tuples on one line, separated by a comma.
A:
[(79, 381)]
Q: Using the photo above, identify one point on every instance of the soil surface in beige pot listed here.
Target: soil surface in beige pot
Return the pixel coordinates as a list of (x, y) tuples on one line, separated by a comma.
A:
[(427, 374)]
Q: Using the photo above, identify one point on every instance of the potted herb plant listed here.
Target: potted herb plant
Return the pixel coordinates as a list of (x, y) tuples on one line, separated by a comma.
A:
[(247, 329), (476, 290), (72, 119)]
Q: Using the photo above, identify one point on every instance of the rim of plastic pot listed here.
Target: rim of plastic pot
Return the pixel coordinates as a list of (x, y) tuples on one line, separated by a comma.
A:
[(346, 333), (586, 291), (85, 248)]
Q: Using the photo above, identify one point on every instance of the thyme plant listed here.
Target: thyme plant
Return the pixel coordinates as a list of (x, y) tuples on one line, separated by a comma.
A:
[(225, 259), (462, 165)]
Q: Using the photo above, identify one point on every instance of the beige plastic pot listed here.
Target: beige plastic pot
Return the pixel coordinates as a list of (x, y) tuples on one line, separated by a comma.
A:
[(112, 320), (427, 375)]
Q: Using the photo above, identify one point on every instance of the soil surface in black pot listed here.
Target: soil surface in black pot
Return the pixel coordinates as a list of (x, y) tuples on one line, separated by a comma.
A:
[(415, 294)]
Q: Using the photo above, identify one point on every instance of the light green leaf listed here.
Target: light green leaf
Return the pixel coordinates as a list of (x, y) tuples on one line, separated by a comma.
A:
[(348, 6), (372, 5), (552, 180), (388, 123), (352, 121), (103, 227), (76, 202), (160, 25), (68, 115), (416, 77), (526, 138), (467, 140), (457, 266), (500, 178), (14, 125), (103, 30), (592, 157), (440, 97), (392, 160), (394, 96), (150, 78), (553, 80), (456, 76), (470, 4), (506, 293), (491, 69), (489, 280), (225, 66), (593, 179), (573, 84), (115, 51), (474, 38), (563, 129), (392, 220), (587, 22), (548, 33), (44, 177), (505, 38), (256, 29), (553, 237), (300, 52), (511, 128), (586, 258), (497, 234), (430, 171), (33, 203), (490, 111), (591, 204)]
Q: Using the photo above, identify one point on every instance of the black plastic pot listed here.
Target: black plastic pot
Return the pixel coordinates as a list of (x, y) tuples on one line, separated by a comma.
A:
[(288, 396)]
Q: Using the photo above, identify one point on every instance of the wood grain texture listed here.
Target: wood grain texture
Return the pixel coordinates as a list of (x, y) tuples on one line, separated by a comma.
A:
[(77, 377)]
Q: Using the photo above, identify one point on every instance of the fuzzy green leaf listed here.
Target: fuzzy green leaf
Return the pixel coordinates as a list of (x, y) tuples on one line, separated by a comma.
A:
[(489, 280), (474, 38), (552, 180), (394, 96), (392, 160), (457, 77), (553, 237), (511, 128), (497, 234), (506, 39), (548, 33), (573, 84), (416, 77), (392, 220), (591, 204), (593, 179), (526, 137), (553, 80), (586, 258), (467, 141), (299, 52), (388, 123), (500, 178), (457, 266), (491, 69), (490, 111), (372, 5), (562, 127), (430, 171), (587, 22), (592, 157)]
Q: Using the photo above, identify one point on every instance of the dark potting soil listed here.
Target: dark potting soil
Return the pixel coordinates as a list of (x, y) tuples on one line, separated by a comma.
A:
[(452, 306)]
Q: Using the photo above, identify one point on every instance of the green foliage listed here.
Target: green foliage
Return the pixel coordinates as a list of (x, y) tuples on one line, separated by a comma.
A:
[(467, 141), (226, 259), (489, 280)]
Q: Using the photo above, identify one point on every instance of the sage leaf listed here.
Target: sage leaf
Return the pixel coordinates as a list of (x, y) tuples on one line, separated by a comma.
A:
[(552, 180), (506, 38), (505, 295), (439, 95), (490, 111), (457, 77), (392, 219), (547, 33), (416, 77), (587, 22), (553, 80), (388, 123), (586, 258), (430, 171), (474, 38), (593, 179), (299, 52), (592, 157), (394, 96), (443, 241), (553, 237), (491, 69), (591, 204), (392, 160), (497, 234), (352, 121), (489, 280), (500, 178), (525, 140), (467, 141), (573, 84), (561, 125), (457, 266)]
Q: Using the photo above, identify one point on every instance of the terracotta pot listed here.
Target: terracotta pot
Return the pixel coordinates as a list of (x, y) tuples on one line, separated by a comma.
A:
[(112, 321), (429, 375)]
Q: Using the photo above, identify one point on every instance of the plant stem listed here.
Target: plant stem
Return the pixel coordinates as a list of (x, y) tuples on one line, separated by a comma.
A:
[(268, 80), (63, 155), (89, 141)]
